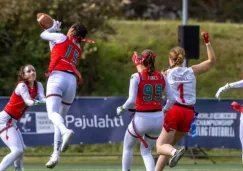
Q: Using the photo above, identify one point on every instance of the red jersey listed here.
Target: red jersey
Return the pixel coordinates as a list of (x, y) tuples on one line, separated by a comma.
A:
[(64, 57), (149, 95), (16, 106)]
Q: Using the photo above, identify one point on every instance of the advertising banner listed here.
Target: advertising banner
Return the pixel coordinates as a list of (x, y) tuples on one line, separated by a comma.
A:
[(94, 121)]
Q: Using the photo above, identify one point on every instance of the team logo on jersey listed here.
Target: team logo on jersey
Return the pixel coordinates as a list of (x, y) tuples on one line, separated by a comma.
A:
[(35, 123)]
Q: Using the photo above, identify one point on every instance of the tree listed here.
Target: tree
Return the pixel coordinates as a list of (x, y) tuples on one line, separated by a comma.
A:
[(21, 44)]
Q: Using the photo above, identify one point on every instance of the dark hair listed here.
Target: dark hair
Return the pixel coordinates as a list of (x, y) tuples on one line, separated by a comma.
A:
[(80, 31), (21, 73), (149, 60)]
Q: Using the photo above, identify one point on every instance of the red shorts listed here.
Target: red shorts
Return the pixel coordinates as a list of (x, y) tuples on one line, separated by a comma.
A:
[(178, 118)]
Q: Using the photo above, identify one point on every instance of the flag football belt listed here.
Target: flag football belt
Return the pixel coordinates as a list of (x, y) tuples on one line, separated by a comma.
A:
[(139, 136), (8, 125)]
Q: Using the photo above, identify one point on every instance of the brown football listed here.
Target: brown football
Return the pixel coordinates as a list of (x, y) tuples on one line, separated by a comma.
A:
[(44, 20)]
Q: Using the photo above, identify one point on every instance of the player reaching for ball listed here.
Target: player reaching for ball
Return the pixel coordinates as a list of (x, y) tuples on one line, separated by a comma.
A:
[(62, 81)]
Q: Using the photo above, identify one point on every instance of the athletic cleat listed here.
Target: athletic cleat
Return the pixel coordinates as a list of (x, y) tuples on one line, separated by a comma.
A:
[(53, 161), (176, 157), (67, 136)]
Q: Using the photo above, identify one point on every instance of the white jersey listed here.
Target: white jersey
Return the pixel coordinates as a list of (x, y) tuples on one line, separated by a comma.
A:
[(183, 84)]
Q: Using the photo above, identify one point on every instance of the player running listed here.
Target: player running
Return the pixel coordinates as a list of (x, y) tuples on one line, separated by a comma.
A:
[(145, 92), (178, 119)]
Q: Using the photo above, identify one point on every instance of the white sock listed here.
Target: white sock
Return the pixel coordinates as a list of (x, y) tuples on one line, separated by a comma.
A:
[(173, 152)]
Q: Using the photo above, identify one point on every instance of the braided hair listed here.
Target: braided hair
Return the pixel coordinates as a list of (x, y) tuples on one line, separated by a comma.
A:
[(148, 57), (177, 55), (80, 31)]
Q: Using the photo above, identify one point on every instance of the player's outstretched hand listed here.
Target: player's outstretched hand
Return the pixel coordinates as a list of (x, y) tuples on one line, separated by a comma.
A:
[(205, 36), (221, 90), (56, 26), (135, 59), (119, 111)]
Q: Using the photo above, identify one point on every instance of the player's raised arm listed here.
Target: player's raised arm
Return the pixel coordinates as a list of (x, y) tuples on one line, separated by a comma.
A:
[(221, 90), (51, 35), (210, 62), (137, 62)]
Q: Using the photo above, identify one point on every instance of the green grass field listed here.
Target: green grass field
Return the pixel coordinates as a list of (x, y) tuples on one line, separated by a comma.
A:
[(113, 163), (137, 167)]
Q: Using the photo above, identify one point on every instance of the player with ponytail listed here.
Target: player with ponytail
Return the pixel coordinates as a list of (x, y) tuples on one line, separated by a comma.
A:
[(178, 120), (145, 92), (63, 78)]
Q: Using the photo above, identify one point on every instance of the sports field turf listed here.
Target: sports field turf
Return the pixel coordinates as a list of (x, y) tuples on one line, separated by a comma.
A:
[(140, 167)]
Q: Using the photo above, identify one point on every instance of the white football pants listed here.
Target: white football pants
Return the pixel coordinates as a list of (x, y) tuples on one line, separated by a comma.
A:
[(145, 123), (14, 140), (60, 93)]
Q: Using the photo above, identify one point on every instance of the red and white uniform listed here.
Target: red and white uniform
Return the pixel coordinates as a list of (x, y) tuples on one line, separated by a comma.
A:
[(62, 81), (149, 92), (16, 106), (64, 57), (65, 53), (145, 93), (22, 97), (183, 84)]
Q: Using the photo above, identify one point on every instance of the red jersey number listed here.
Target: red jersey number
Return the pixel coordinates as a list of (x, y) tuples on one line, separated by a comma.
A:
[(181, 90)]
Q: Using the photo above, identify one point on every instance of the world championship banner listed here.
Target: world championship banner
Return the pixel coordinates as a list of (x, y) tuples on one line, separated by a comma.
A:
[(94, 121)]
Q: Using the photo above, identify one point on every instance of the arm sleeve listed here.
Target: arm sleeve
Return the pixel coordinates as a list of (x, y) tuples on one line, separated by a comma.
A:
[(238, 84), (41, 96), (53, 37), (22, 91), (169, 95), (133, 89)]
